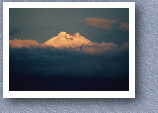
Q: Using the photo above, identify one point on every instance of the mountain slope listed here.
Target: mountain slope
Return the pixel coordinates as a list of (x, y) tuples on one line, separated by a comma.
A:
[(68, 40)]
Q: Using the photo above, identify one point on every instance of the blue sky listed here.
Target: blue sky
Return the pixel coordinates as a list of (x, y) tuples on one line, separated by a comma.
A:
[(43, 24)]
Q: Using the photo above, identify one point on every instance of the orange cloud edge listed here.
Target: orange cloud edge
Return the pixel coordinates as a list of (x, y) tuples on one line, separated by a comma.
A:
[(93, 48), (100, 23), (105, 23)]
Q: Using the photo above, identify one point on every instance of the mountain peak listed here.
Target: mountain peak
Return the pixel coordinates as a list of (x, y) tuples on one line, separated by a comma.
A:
[(65, 39), (62, 33)]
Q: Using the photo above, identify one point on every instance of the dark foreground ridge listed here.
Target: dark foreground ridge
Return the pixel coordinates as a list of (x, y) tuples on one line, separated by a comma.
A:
[(41, 83)]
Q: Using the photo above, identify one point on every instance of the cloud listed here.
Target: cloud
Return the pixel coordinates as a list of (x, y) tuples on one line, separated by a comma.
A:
[(18, 43), (100, 23), (98, 47), (124, 26), (31, 51), (93, 48), (65, 62)]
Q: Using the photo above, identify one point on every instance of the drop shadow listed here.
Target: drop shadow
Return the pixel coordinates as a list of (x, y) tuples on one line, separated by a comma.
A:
[(138, 56)]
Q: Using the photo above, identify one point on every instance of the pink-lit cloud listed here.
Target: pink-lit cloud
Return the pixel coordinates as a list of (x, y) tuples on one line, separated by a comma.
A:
[(92, 48), (124, 26), (100, 23), (18, 43)]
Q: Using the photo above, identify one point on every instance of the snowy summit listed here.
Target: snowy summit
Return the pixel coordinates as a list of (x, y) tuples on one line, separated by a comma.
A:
[(68, 40)]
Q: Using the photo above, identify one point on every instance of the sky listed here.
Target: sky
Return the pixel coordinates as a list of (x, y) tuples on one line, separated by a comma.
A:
[(98, 25), (37, 68)]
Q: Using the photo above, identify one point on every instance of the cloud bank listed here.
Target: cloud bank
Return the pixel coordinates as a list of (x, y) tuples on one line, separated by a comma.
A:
[(92, 48), (43, 58), (100, 23), (53, 69), (51, 61)]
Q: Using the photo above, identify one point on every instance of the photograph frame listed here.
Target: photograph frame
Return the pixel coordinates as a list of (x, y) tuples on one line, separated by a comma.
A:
[(68, 94)]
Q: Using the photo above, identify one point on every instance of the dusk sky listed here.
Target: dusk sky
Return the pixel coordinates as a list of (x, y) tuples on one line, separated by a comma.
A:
[(43, 24)]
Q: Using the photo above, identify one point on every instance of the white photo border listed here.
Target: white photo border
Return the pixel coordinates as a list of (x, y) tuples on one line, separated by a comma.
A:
[(68, 94)]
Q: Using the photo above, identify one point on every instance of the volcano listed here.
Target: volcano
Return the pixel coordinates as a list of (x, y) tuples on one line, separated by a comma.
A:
[(65, 39)]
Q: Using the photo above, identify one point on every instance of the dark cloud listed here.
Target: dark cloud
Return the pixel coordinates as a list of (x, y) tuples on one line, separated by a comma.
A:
[(65, 69)]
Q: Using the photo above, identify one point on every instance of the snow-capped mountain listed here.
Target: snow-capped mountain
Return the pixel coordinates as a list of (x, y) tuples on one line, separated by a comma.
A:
[(68, 40), (75, 42)]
